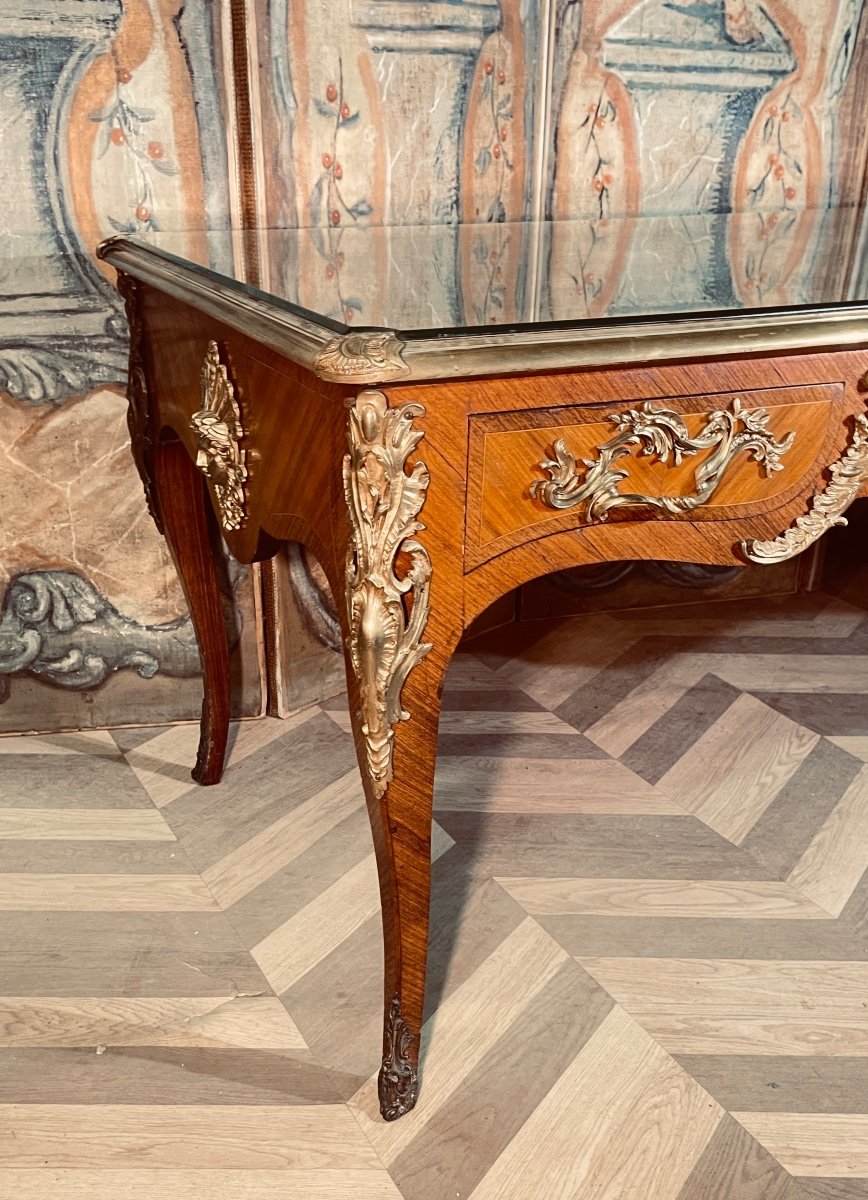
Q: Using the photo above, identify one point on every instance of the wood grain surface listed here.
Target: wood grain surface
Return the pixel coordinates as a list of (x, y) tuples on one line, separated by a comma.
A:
[(622, 1002)]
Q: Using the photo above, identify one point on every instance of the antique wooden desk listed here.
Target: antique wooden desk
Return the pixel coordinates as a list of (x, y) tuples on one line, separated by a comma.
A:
[(431, 467)]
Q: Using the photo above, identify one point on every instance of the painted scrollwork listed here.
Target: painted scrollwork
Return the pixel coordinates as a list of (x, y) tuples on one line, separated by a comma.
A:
[(398, 1085), (387, 614), (662, 433), (218, 435), (37, 374), (56, 626), (827, 508), (362, 358)]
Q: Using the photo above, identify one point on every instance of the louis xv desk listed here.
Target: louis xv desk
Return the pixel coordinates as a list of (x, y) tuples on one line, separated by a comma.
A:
[(432, 464)]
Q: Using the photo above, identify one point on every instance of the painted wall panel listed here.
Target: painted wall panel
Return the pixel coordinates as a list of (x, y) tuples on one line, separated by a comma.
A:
[(111, 122)]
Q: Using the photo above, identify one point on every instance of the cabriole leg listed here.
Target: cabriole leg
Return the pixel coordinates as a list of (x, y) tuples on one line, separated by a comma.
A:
[(395, 667), (182, 503), (401, 826)]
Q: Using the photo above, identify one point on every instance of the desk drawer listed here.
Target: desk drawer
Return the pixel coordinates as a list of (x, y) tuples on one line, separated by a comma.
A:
[(676, 458)]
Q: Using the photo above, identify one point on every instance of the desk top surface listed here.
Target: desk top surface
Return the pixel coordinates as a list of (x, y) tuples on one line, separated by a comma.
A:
[(361, 303)]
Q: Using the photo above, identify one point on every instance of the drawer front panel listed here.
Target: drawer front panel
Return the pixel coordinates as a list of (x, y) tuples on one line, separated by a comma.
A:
[(688, 457)]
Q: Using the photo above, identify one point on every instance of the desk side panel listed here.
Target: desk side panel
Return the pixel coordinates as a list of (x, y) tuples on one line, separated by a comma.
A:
[(294, 428)]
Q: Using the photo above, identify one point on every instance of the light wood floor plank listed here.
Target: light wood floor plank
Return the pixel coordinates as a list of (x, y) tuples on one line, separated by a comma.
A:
[(470, 1131), (465, 1027), (817, 1033), (241, 871), (622, 1090), (676, 898), (736, 1167), (479, 723), (471, 784), (733, 773), (147, 1184), (816, 673), (732, 986), (84, 825), (828, 1145), (837, 857), (249, 1022), (296, 946), (837, 619), (98, 743), (106, 893), (185, 1137), (162, 764), (566, 658), (467, 673), (853, 744), (616, 730)]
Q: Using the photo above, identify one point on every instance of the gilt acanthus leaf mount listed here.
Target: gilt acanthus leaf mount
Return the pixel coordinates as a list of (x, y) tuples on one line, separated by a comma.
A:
[(362, 358), (386, 613), (827, 508), (660, 433), (219, 433)]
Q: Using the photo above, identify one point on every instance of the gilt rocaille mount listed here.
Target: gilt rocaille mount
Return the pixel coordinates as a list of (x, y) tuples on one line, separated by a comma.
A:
[(219, 432), (397, 1083), (362, 357), (384, 503), (827, 508), (664, 434)]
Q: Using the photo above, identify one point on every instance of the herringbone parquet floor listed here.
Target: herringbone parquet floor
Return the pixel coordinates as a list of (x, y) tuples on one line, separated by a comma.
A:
[(649, 969)]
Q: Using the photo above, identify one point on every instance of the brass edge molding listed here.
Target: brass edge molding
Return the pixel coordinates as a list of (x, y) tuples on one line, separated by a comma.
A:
[(361, 358), (138, 420), (827, 508), (621, 343), (219, 433), (468, 355), (384, 502), (397, 1084), (228, 301), (663, 434)]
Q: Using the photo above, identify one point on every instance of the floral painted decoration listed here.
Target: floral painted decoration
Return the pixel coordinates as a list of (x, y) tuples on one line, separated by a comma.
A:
[(122, 128), (601, 115), (489, 252), (496, 153), (327, 205), (775, 196)]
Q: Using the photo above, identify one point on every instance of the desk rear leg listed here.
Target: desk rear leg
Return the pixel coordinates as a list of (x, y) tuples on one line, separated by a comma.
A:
[(182, 499)]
